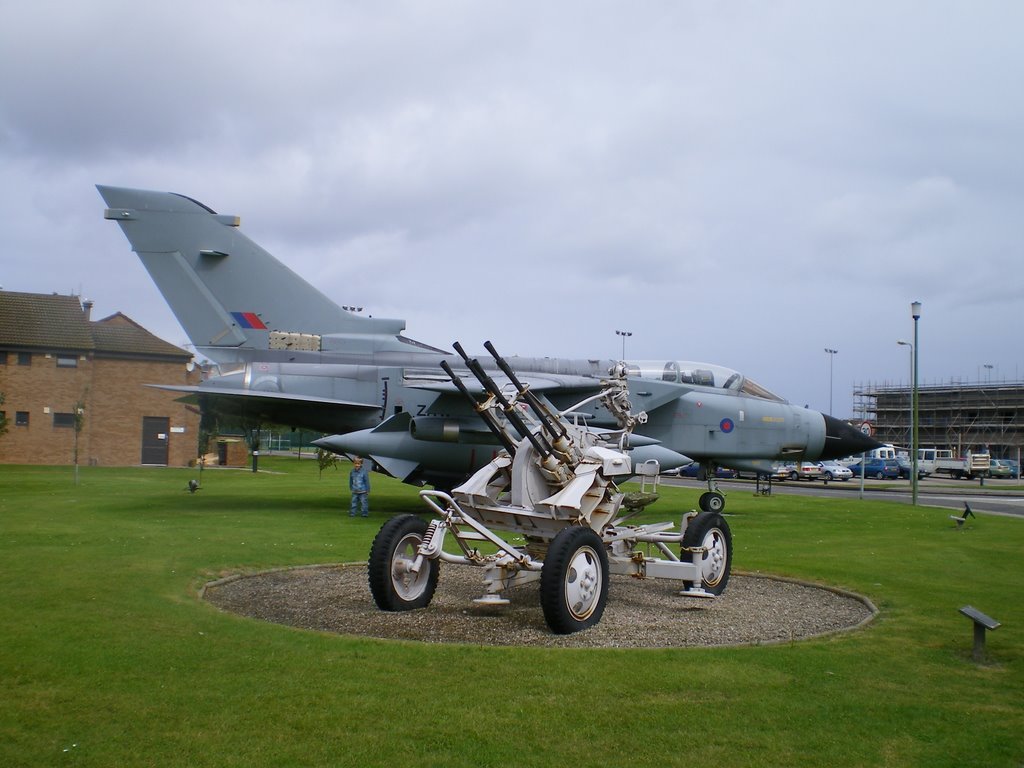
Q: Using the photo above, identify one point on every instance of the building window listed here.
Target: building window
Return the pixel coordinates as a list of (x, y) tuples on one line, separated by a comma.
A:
[(67, 361), (64, 420), (24, 358), (3, 357), (21, 418)]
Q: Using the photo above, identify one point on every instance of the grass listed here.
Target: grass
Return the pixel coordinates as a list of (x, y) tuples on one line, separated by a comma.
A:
[(107, 657)]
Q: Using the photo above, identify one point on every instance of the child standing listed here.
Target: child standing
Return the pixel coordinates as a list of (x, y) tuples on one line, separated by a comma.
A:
[(359, 485)]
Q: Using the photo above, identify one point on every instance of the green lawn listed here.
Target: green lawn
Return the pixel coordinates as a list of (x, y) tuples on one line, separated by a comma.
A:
[(108, 658)]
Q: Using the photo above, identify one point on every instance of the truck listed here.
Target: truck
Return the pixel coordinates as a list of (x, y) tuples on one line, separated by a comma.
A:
[(943, 462)]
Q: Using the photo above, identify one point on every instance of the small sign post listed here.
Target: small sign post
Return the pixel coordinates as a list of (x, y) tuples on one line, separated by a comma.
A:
[(981, 624)]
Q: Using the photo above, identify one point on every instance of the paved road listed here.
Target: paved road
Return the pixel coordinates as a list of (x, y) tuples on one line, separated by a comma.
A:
[(936, 493)]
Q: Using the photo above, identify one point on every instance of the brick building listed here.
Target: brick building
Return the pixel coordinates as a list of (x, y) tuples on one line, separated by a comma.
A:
[(54, 360)]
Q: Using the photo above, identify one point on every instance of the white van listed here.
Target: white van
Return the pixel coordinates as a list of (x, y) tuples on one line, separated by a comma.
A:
[(887, 451)]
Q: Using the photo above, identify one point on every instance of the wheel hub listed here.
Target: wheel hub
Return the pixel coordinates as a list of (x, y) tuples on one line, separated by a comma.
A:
[(714, 559), (407, 583), (582, 584)]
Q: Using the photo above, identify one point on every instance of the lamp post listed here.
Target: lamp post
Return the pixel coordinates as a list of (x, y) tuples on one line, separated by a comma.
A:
[(910, 425), (915, 312), (831, 356), (623, 334), (988, 372)]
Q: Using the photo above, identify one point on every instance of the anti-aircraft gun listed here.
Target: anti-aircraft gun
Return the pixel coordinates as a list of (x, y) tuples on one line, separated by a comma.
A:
[(553, 487)]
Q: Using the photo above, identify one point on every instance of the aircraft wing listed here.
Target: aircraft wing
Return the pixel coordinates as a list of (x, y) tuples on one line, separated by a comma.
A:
[(439, 382), (318, 414)]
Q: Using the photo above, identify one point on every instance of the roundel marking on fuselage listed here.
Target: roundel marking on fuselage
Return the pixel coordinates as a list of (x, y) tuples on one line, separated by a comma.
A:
[(727, 425)]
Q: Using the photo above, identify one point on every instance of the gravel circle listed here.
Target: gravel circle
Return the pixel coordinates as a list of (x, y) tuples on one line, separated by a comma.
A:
[(754, 609)]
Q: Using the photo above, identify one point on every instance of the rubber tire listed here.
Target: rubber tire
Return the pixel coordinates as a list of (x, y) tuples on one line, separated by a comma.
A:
[(828, 476), (397, 541), (880, 475), (705, 526), (574, 549), (712, 501), (794, 476)]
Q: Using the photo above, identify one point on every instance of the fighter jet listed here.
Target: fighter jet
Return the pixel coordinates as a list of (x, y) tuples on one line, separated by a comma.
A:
[(286, 354)]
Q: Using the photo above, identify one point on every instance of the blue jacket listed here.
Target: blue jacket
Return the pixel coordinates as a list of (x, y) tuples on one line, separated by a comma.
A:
[(359, 480)]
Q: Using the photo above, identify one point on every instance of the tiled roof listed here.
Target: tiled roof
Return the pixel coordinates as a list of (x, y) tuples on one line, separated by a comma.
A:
[(55, 322), (42, 320), (119, 334)]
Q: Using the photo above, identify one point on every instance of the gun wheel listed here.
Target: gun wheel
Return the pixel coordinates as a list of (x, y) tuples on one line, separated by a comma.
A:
[(710, 531), (574, 580), (393, 584)]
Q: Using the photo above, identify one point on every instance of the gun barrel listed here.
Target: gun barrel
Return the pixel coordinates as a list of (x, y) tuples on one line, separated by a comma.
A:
[(553, 425), (486, 415), (538, 441)]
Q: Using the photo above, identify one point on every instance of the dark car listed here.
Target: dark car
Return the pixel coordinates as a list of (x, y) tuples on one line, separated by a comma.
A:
[(695, 470), (906, 468), (882, 469)]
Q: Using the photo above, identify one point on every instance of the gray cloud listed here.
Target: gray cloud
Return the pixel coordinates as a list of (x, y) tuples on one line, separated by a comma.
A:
[(741, 183)]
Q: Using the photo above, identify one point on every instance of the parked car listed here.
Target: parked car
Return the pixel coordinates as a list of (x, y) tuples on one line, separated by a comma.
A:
[(695, 470), (833, 470), (878, 468), (907, 469), (753, 474), (1000, 468), (802, 470), (1014, 468)]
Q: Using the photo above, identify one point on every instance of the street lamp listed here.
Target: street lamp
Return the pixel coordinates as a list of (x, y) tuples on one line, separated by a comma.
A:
[(831, 356), (915, 312), (623, 334), (910, 426), (988, 372)]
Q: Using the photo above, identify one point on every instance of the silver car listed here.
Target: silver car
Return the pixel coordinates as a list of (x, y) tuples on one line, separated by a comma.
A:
[(831, 470)]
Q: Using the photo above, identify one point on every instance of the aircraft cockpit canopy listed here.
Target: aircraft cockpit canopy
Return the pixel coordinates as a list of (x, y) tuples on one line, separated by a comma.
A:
[(700, 374)]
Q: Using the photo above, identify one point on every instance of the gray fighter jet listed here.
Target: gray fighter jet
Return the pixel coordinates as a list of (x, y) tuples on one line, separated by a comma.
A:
[(288, 355)]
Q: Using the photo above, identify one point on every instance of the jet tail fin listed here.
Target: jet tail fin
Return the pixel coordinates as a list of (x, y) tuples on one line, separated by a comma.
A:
[(227, 292)]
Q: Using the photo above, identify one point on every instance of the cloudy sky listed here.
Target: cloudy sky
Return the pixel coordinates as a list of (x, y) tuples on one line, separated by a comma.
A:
[(745, 183)]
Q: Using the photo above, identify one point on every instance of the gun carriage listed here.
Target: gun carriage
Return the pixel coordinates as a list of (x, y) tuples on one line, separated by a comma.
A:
[(547, 509)]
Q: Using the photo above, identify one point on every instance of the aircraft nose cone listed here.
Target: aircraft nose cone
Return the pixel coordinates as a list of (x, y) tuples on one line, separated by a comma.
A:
[(843, 440), (336, 443)]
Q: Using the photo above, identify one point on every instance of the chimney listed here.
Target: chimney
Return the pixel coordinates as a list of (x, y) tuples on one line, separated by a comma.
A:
[(87, 308)]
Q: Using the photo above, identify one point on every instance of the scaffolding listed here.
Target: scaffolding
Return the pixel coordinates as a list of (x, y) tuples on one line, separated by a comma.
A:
[(959, 416)]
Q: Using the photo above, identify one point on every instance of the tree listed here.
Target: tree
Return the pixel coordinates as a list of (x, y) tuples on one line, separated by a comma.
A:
[(326, 460)]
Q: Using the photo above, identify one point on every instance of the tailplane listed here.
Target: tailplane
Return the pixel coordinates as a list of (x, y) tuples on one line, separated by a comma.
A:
[(228, 293)]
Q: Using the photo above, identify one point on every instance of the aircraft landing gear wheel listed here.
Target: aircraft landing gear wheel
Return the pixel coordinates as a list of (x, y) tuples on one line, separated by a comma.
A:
[(712, 501), (709, 530), (574, 580), (393, 585)]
